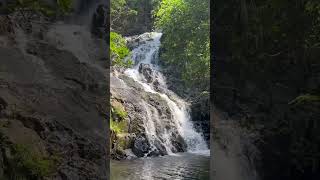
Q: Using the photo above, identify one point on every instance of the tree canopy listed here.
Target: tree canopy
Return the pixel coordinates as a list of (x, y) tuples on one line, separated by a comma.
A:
[(186, 41)]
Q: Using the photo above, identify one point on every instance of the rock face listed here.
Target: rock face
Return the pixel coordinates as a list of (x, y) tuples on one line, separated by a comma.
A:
[(141, 146), (234, 150), (54, 100), (200, 115), (199, 108), (265, 97), (157, 116), (133, 97)]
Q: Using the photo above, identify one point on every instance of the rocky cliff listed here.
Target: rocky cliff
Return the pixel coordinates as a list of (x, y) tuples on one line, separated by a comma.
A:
[(143, 121), (53, 94), (198, 97), (272, 102)]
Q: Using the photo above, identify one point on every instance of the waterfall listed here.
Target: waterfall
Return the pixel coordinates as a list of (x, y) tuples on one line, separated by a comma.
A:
[(145, 55)]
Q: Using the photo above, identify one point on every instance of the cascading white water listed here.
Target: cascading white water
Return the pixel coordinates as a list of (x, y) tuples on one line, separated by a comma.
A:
[(147, 53)]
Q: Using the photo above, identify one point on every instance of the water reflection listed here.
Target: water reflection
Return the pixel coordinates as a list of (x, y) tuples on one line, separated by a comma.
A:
[(184, 166)]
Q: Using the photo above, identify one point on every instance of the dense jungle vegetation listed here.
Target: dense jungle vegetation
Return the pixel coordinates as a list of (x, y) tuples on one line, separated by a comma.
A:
[(185, 25), (266, 61), (267, 74), (184, 49)]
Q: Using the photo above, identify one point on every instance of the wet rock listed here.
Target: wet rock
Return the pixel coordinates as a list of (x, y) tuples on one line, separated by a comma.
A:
[(1, 163), (144, 107), (99, 21), (58, 98), (200, 115), (141, 146), (118, 154), (3, 104), (134, 42), (156, 85), (178, 143), (133, 95), (147, 72), (160, 149), (131, 83)]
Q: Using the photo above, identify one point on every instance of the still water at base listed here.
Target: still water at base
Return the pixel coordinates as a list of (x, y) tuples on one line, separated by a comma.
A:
[(184, 166)]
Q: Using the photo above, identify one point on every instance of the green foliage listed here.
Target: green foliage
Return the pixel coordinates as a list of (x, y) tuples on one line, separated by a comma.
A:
[(118, 121), (186, 42), (120, 10), (276, 42), (122, 143), (64, 6), (118, 126), (33, 5), (132, 17), (119, 112), (306, 98), (274, 29), (119, 50), (29, 163)]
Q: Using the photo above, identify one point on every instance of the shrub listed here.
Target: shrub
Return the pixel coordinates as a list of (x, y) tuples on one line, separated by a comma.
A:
[(119, 50)]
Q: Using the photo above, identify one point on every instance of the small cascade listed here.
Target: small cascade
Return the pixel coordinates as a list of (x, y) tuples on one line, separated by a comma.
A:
[(148, 74)]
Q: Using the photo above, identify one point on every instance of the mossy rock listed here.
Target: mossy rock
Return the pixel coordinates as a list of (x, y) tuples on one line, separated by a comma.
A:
[(118, 111), (24, 162), (118, 126), (124, 141)]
